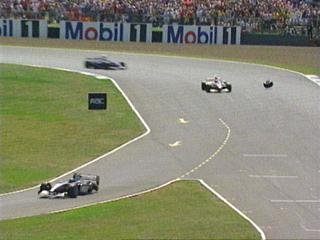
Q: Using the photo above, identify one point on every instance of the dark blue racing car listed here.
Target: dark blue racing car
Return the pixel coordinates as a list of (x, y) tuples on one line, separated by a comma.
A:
[(104, 63)]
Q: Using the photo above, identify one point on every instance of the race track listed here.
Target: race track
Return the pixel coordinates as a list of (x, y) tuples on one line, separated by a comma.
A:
[(258, 148)]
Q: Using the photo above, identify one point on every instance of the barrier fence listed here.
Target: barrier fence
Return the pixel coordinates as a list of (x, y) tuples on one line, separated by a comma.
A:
[(121, 32)]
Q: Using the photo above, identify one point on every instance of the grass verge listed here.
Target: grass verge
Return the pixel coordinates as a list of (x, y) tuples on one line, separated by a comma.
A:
[(182, 210), (46, 126), (301, 59)]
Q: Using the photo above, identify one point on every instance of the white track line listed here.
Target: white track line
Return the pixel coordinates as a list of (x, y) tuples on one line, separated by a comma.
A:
[(265, 155), (263, 236), (314, 78), (203, 183), (214, 154), (302, 224), (148, 130), (295, 201), (116, 199), (272, 176)]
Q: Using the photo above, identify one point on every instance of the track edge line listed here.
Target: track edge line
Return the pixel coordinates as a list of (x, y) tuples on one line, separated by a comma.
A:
[(148, 130), (262, 234)]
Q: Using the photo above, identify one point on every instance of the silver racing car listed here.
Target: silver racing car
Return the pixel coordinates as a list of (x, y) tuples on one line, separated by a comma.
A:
[(79, 184), (216, 84)]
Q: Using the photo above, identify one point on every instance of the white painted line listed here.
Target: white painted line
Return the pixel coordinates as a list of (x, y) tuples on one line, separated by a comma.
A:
[(101, 77), (119, 198), (86, 73), (183, 121), (203, 183), (214, 154), (314, 78), (272, 176), (295, 201), (263, 236), (266, 155), (310, 229), (148, 130), (302, 224), (175, 144)]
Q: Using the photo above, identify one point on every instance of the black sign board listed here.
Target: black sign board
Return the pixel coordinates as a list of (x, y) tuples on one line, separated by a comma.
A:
[(97, 101)]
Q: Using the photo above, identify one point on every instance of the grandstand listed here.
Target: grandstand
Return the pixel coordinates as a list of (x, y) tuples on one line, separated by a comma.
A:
[(291, 17)]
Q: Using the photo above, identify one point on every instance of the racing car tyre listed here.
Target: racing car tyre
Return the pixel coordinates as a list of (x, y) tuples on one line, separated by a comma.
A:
[(203, 86), (268, 85), (73, 191), (229, 87), (45, 187), (98, 180), (96, 188)]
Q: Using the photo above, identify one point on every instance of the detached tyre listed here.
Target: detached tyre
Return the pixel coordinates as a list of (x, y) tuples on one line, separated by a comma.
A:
[(268, 84)]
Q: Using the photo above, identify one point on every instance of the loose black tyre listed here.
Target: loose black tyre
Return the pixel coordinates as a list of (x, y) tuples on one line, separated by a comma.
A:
[(73, 191), (268, 85)]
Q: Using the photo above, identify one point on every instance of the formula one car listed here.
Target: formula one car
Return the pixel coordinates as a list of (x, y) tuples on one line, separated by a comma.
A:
[(268, 84), (79, 184), (104, 63), (215, 83)]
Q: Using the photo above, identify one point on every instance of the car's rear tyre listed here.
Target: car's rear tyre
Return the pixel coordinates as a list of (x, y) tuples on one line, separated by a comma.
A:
[(96, 188), (73, 192), (229, 87), (98, 180), (203, 86)]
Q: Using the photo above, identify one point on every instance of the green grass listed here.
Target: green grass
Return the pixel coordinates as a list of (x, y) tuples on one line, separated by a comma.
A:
[(46, 127), (183, 210)]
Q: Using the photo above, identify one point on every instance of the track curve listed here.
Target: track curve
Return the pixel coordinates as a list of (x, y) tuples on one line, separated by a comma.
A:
[(269, 168)]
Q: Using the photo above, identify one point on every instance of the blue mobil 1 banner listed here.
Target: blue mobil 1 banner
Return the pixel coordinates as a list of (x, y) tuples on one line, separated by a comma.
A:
[(192, 34), (104, 31), (23, 28)]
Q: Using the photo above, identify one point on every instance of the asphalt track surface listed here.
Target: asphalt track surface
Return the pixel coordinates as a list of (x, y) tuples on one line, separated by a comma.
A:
[(268, 165)]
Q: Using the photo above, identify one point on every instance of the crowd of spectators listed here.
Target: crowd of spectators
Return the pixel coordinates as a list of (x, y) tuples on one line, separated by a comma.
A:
[(250, 14)]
